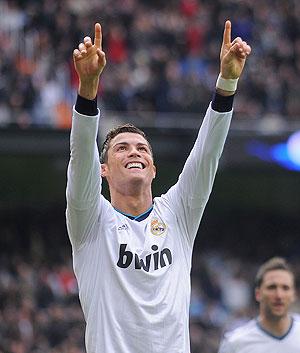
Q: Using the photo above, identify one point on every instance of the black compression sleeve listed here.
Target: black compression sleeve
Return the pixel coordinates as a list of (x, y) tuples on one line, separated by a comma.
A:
[(85, 106), (222, 104)]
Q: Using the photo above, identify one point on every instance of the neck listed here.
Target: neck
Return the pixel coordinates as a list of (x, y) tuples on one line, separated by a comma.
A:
[(277, 327), (132, 204)]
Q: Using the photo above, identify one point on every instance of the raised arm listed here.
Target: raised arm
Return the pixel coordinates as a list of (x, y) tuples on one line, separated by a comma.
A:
[(84, 179), (190, 194)]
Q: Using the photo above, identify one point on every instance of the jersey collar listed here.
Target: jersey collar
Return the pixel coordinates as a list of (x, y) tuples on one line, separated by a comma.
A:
[(274, 336), (139, 217)]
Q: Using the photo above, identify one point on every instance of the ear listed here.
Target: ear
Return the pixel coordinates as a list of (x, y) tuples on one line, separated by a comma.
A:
[(294, 297), (154, 171), (257, 295), (104, 170)]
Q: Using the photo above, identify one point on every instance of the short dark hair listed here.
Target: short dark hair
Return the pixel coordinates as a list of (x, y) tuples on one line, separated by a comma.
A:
[(116, 131), (275, 263)]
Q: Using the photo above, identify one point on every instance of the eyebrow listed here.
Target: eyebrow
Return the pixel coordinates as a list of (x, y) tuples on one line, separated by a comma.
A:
[(126, 143), (273, 284)]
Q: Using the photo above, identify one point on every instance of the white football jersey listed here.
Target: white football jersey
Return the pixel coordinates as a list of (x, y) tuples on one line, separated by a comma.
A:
[(134, 277), (252, 338)]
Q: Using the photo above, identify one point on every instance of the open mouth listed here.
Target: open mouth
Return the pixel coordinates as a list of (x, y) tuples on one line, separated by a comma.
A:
[(135, 165)]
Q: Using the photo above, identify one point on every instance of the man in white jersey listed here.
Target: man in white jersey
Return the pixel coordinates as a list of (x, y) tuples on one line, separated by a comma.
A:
[(275, 330), (132, 255)]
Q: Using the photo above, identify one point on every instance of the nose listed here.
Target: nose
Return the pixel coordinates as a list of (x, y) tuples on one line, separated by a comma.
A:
[(280, 292), (133, 152)]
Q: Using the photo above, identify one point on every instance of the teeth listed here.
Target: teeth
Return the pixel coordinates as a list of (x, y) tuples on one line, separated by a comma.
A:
[(134, 165)]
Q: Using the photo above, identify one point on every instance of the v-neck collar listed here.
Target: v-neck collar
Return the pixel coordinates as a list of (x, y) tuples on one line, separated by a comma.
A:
[(139, 217)]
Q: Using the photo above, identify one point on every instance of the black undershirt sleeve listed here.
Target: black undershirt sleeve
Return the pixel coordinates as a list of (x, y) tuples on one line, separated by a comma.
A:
[(222, 104), (89, 107), (86, 106)]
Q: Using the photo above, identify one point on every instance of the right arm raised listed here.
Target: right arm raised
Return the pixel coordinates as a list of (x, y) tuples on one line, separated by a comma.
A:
[(84, 180)]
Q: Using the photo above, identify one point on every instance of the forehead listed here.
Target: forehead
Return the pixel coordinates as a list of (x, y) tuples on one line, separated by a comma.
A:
[(278, 277), (129, 138)]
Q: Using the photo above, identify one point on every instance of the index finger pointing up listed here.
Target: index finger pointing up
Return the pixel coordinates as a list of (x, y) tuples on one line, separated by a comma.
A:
[(98, 36), (227, 33)]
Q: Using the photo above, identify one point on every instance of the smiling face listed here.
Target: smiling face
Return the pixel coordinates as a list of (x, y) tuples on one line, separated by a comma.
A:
[(129, 163), (275, 294)]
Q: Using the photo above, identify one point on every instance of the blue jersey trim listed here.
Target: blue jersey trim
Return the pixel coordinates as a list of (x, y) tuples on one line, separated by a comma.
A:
[(274, 336), (139, 217)]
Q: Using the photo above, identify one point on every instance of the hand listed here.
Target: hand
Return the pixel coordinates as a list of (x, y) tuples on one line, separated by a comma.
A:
[(233, 54), (89, 61)]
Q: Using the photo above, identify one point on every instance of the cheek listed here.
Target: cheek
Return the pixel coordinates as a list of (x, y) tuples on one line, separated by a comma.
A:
[(263, 297), (291, 297)]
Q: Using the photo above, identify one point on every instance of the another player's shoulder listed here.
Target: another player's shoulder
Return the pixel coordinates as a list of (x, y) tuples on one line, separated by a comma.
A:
[(296, 320), (296, 317), (251, 330), (236, 339), (242, 332)]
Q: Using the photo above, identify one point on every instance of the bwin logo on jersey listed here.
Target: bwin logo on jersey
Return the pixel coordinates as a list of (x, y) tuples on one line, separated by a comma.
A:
[(158, 259), (157, 227)]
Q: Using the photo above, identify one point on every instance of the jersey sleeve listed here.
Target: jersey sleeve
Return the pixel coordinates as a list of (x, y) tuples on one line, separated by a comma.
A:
[(83, 179), (188, 197)]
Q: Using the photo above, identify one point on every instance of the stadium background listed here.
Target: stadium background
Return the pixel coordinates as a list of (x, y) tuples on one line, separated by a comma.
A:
[(162, 66)]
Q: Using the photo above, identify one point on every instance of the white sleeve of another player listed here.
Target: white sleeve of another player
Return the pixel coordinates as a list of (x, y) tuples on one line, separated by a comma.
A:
[(83, 179), (188, 197)]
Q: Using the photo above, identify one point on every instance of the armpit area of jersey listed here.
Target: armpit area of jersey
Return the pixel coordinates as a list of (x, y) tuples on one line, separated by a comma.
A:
[(86, 106), (222, 104)]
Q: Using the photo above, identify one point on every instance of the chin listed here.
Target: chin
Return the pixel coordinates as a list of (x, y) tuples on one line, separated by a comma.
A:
[(279, 315)]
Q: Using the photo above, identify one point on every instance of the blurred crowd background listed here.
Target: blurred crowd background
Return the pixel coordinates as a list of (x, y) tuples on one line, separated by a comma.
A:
[(162, 56)]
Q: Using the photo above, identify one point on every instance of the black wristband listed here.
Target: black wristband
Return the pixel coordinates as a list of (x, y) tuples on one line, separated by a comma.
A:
[(222, 104), (86, 106)]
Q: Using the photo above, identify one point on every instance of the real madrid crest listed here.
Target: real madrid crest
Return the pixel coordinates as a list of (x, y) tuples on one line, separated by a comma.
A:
[(157, 227)]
